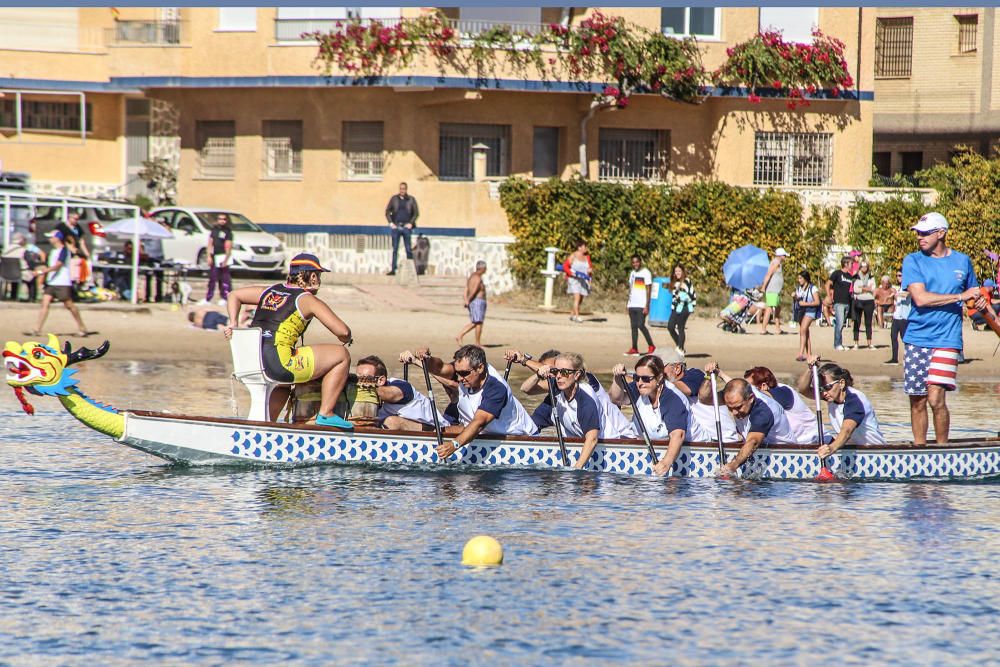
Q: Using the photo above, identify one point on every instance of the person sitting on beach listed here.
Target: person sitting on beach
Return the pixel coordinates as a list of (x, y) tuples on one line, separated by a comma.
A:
[(611, 413), (801, 419), (852, 416), (576, 406), (284, 311), (401, 407), (206, 318), (485, 401), (660, 406)]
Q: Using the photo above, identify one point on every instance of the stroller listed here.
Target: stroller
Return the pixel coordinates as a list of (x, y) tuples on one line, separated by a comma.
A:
[(742, 310)]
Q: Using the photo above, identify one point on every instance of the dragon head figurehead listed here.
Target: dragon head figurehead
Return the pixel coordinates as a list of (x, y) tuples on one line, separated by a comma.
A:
[(42, 368)]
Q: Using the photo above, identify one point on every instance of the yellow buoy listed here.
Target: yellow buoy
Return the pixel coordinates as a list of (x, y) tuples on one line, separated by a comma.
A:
[(482, 550)]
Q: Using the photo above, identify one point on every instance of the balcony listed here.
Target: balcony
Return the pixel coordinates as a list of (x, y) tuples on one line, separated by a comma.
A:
[(145, 33), (291, 30)]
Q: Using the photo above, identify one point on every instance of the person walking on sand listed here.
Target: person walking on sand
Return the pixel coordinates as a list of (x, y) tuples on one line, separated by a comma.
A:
[(807, 300), (401, 213), (58, 285), (774, 282), (475, 302), (838, 295), (579, 274), (640, 282), (683, 301), (939, 281)]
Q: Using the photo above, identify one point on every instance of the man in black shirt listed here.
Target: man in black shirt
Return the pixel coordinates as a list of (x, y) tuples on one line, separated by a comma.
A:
[(401, 213), (220, 247), (838, 292)]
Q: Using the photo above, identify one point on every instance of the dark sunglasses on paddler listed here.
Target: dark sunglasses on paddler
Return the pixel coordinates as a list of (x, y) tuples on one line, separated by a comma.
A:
[(828, 386), (643, 378), (465, 374), (565, 372)]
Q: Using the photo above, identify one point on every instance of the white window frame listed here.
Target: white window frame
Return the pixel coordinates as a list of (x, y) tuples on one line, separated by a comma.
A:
[(237, 19), (216, 156), (791, 147), (280, 159), (611, 171), (362, 165), (716, 23), (20, 129)]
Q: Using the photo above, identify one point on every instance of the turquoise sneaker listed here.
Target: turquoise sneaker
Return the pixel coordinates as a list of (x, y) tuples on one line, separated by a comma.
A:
[(334, 420)]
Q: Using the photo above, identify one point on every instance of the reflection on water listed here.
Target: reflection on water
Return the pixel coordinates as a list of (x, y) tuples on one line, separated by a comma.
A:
[(111, 557)]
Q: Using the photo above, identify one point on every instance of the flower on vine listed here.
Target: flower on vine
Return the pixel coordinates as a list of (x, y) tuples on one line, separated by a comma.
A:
[(754, 99)]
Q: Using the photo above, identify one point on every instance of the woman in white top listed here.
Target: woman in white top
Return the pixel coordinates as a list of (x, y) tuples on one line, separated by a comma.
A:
[(578, 272), (864, 303), (58, 285), (807, 307), (852, 416), (801, 420)]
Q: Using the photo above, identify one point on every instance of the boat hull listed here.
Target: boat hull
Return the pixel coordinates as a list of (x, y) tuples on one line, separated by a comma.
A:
[(212, 441)]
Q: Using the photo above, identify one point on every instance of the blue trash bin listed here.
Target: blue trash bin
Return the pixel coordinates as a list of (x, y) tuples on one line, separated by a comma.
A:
[(660, 302)]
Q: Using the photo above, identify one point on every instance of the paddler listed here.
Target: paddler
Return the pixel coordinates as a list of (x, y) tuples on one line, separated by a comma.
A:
[(284, 311), (801, 419), (852, 416), (939, 280), (485, 401), (401, 407)]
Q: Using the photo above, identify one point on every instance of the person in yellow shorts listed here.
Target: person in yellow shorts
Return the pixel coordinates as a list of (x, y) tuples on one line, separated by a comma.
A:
[(284, 311)]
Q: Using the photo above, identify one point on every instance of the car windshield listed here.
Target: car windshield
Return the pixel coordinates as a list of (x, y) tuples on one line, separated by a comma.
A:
[(237, 222)]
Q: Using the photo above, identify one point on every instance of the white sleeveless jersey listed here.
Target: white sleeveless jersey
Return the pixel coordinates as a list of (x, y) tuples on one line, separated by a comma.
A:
[(701, 424), (512, 419), (417, 409), (801, 419), (857, 407)]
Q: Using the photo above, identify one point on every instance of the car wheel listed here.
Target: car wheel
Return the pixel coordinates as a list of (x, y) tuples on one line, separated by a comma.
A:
[(202, 262)]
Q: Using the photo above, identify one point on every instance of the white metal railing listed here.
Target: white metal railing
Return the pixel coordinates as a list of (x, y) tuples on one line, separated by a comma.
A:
[(217, 158), (281, 160), (476, 26), (159, 33), (793, 158), (292, 30), (363, 166)]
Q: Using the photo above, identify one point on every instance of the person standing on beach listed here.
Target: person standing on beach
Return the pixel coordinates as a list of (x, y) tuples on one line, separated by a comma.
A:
[(219, 250), (640, 282), (900, 315), (475, 302), (838, 294), (683, 301), (773, 283), (401, 212), (807, 299), (939, 281), (864, 303), (579, 274), (58, 285)]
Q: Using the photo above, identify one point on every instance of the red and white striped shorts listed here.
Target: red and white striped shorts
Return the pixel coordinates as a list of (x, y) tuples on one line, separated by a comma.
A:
[(923, 366)]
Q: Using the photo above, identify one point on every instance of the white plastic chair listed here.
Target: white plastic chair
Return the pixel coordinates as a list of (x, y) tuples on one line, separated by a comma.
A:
[(248, 368)]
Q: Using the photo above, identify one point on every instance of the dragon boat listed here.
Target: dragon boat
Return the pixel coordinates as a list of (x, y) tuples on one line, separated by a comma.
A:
[(43, 369)]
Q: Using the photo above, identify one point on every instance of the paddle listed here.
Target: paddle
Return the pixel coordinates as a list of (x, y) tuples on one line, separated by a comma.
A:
[(718, 418), (434, 410), (555, 420), (638, 418), (825, 474), (506, 373), (406, 371)]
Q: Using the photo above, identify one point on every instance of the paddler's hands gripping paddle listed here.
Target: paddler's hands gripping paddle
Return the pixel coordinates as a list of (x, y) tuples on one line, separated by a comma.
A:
[(718, 420), (555, 419), (825, 474), (434, 410), (620, 379)]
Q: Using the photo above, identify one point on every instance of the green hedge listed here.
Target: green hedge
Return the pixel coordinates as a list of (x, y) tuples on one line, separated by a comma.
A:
[(968, 195), (696, 225)]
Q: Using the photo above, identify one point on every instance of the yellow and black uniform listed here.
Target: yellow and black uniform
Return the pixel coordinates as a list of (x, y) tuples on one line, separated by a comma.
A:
[(282, 324)]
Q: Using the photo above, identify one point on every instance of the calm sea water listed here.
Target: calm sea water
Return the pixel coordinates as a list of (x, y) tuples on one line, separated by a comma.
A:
[(111, 557)]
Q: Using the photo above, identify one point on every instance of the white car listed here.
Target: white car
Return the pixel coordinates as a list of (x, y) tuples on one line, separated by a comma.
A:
[(253, 248)]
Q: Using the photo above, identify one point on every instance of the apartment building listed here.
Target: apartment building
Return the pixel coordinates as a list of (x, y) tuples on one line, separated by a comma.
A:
[(937, 85), (233, 99)]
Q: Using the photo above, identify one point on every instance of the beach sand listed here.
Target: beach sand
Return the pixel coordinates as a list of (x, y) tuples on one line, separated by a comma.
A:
[(387, 318)]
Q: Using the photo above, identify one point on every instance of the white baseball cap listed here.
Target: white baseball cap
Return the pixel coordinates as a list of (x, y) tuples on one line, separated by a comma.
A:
[(930, 222), (781, 252), (671, 357)]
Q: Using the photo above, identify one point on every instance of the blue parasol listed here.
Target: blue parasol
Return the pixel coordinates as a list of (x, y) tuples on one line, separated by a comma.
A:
[(746, 267)]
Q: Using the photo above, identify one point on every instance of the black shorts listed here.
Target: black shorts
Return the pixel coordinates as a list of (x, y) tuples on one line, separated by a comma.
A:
[(59, 292)]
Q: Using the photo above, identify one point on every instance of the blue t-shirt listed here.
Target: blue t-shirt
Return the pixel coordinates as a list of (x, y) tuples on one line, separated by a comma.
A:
[(854, 408), (494, 397), (404, 387), (937, 326), (784, 396), (760, 419), (693, 378), (542, 416), (588, 415), (213, 320)]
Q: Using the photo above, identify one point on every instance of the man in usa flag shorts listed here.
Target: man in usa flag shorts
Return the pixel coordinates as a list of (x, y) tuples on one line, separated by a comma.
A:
[(939, 280)]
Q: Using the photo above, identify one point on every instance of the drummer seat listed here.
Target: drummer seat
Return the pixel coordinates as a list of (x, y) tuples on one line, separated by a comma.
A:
[(248, 368)]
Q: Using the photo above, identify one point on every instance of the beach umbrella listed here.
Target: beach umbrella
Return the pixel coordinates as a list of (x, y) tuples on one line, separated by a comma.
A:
[(746, 267), (139, 229)]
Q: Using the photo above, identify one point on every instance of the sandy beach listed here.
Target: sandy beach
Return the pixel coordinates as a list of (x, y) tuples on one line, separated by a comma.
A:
[(387, 318)]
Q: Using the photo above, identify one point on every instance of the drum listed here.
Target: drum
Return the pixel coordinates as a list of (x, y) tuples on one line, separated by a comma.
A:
[(357, 403)]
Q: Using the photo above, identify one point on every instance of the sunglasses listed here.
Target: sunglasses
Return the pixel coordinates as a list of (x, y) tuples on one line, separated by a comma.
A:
[(645, 379), (828, 386), (464, 374), (933, 231), (564, 372)]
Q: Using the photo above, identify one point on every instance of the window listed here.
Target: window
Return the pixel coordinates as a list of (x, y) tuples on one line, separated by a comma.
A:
[(792, 158), (545, 152), (237, 19), (363, 151), (968, 26), (911, 162), (282, 154), (697, 21), (216, 141), (883, 163), (893, 48), (633, 155), (56, 116), (794, 23), (457, 140)]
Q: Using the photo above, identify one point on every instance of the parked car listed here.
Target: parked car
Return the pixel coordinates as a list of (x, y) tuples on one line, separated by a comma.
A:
[(93, 218), (253, 248)]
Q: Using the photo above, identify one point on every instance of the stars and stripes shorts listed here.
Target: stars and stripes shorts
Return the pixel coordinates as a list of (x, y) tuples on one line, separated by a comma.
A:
[(923, 366)]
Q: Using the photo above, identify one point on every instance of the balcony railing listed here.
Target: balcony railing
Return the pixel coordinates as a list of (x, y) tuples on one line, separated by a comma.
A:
[(158, 33), (472, 27), (291, 30)]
